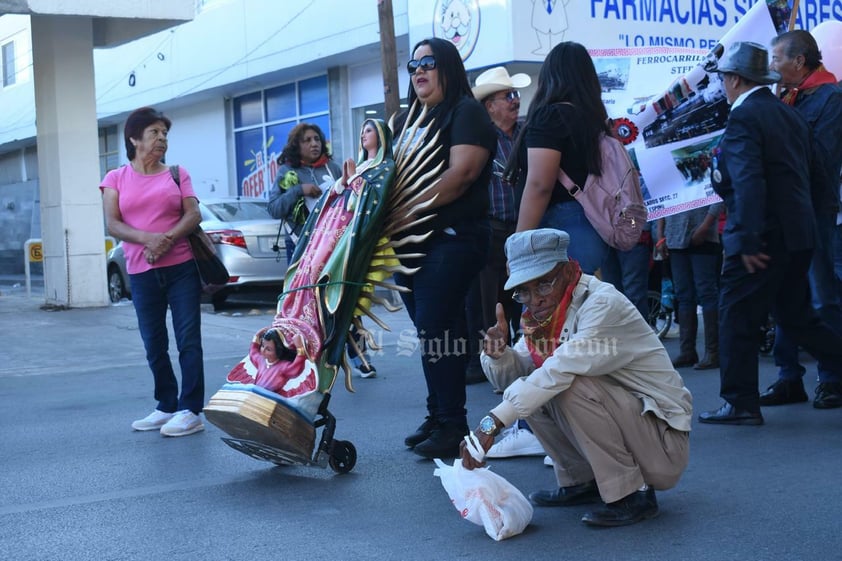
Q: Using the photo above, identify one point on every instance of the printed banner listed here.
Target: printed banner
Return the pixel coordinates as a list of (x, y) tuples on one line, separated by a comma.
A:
[(671, 136)]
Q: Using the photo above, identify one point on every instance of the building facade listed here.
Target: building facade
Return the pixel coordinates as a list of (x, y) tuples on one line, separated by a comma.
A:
[(242, 73)]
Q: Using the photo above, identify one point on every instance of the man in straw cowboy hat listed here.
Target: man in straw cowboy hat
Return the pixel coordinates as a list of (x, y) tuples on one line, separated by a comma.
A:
[(594, 381), (761, 169), (499, 93)]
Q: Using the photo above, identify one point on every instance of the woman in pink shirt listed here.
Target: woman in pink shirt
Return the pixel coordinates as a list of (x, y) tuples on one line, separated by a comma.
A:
[(152, 215)]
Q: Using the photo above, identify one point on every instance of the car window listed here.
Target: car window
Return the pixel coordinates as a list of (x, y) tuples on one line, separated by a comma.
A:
[(238, 210)]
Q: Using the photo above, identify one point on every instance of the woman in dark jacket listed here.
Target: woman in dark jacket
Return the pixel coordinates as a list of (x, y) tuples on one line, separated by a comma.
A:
[(306, 168)]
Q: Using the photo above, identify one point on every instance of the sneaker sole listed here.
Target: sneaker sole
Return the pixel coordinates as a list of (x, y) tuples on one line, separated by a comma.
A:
[(515, 454), (147, 428), (185, 432)]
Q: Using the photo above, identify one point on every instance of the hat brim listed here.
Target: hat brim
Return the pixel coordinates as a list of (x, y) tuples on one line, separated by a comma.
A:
[(527, 274), (769, 77), (518, 81)]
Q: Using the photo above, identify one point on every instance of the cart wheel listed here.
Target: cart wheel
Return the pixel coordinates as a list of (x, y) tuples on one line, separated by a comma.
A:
[(343, 458)]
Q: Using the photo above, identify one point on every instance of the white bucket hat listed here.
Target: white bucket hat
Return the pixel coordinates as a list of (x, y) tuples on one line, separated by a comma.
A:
[(497, 79)]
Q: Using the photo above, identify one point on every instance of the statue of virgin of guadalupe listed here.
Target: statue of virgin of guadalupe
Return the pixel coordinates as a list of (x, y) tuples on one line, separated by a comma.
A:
[(344, 252)]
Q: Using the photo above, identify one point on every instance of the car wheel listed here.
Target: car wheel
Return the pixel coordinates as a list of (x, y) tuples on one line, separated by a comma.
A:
[(116, 285)]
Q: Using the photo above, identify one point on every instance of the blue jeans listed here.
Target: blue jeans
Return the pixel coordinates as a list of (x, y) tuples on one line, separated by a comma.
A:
[(436, 306), (825, 300), (178, 288), (695, 277), (586, 247), (628, 271)]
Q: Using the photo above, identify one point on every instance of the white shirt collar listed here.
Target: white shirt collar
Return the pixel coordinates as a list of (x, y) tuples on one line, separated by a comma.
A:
[(742, 97)]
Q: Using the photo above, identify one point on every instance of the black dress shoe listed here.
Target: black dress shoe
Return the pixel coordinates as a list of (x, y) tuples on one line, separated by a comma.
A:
[(422, 433), (631, 509), (783, 392), (828, 395), (567, 496), (443, 442), (730, 415)]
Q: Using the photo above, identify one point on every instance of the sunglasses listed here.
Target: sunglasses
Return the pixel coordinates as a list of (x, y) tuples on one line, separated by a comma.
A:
[(426, 63), (511, 96)]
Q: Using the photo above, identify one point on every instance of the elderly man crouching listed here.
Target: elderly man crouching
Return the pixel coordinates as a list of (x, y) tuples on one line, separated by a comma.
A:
[(594, 382)]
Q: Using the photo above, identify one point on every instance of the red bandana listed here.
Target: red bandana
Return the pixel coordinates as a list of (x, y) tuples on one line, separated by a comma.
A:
[(818, 77), (322, 161), (542, 337)]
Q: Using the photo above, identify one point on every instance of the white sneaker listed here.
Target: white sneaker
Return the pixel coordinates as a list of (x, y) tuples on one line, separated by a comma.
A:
[(364, 371), (548, 461), (182, 423), (153, 421), (519, 442)]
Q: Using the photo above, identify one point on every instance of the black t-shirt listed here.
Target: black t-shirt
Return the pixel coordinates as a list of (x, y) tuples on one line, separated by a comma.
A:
[(560, 127), (467, 122)]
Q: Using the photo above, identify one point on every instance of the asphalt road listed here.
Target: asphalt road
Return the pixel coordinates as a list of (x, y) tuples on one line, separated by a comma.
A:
[(78, 484)]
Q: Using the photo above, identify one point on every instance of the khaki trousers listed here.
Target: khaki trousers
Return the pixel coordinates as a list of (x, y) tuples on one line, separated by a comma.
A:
[(595, 430)]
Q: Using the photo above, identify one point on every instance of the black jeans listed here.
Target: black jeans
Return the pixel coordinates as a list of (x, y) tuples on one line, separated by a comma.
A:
[(436, 306)]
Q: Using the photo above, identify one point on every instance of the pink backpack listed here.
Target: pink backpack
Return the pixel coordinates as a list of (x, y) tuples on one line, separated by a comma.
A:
[(613, 201)]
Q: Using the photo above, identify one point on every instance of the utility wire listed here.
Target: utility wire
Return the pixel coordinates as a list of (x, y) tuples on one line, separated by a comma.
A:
[(245, 56)]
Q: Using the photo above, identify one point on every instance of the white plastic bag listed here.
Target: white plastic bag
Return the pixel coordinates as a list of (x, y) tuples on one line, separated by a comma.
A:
[(486, 499)]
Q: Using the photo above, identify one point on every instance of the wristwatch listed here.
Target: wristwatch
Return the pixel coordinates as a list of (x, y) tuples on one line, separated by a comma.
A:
[(488, 425)]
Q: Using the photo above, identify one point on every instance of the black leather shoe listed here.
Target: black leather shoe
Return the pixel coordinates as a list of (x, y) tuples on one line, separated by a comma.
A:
[(634, 508), (828, 395), (567, 496), (443, 442), (730, 415), (422, 433), (784, 392)]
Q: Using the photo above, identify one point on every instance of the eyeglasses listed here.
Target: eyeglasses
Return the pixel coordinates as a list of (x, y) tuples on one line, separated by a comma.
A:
[(524, 295), (426, 63), (511, 96)]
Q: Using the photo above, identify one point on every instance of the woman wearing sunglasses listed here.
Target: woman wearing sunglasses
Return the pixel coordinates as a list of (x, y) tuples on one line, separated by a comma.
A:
[(457, 249), (563, 124)]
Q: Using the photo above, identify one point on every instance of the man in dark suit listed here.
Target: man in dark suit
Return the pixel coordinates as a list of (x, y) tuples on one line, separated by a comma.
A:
[(762, 171)]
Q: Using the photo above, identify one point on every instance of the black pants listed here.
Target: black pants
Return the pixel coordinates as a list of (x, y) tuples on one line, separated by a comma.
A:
[(745, 300)]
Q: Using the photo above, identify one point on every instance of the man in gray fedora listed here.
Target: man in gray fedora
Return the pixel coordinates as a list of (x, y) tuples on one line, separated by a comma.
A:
[(761, 169), (594, 382)]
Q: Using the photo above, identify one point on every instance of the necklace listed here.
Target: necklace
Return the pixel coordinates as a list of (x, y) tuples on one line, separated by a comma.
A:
[(546, 322)]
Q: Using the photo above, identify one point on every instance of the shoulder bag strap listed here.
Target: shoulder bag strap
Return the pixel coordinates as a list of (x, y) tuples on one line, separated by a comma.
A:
[(176, 176)]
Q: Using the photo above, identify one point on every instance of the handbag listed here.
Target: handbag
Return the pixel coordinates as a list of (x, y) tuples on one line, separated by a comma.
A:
[(212, 270)]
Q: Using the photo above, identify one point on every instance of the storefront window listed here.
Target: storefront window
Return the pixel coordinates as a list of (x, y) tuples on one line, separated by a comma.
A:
[(262, 121)]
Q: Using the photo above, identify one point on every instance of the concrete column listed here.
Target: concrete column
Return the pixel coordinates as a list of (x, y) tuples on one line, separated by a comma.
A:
[(72, 225)]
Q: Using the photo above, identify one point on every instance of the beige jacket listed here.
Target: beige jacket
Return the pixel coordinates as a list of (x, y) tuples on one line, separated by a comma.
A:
[(603, 335)]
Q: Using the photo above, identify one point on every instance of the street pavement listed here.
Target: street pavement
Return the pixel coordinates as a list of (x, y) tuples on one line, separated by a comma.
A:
[(78, 484)]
